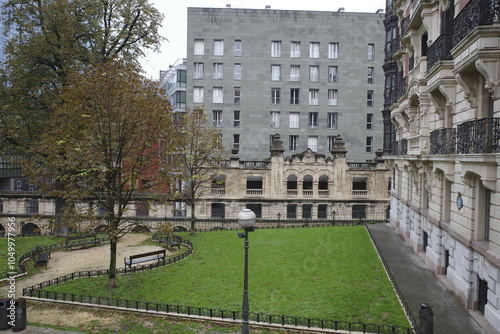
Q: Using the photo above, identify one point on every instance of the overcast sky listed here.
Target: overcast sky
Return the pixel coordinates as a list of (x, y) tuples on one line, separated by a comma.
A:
[(175, 22)]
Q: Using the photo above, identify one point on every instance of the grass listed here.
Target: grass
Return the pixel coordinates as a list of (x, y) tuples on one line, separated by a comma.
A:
[(328, 273)]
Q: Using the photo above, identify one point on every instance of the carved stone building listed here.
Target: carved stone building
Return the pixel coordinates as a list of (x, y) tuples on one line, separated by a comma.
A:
[(304, 186), (444, 104)]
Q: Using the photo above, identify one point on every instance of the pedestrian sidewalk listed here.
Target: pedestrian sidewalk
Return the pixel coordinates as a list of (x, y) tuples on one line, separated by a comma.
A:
[(418, 284)]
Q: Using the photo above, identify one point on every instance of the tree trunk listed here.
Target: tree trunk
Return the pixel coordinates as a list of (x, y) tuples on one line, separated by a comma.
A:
[(113, 241), (193, 218)]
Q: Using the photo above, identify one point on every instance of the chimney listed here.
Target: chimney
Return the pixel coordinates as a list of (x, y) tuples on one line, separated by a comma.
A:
[(268, 7), (228, 5), (341, 9), (380, 11)]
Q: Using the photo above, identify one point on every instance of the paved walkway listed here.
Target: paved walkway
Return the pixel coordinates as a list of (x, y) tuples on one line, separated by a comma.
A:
[(42, 330), (418, 284)]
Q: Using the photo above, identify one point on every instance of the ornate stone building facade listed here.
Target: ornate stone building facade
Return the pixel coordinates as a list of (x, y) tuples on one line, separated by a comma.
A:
[(444, 158)]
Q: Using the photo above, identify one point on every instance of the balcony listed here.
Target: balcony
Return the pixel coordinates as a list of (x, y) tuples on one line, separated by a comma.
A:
[(439, 50), (479, 136), (254, 192), (402, 88), (475, 13)]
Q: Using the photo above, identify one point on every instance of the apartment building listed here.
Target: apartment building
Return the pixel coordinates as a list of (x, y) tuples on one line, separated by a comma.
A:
[(306, 75), (442, 94)]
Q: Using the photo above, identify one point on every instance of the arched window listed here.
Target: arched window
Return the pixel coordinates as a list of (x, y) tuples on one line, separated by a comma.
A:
[(291, 182), (307, 182), (323, 182)]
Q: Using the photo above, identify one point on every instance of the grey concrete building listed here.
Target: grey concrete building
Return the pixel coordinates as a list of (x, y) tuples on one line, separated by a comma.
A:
[(306, 75)]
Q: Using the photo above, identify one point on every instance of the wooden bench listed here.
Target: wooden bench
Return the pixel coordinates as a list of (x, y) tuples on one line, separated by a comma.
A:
[(82, 240), (145, 257), (42, 259), (171, 242)]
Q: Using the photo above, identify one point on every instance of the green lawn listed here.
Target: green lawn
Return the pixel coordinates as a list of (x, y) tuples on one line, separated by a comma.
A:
[(328, 273)]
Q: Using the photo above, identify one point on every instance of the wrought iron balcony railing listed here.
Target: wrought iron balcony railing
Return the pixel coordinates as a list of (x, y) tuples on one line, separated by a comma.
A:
[(479, 136), (439, 50), (402, 87), (443, 141), (475, 13)]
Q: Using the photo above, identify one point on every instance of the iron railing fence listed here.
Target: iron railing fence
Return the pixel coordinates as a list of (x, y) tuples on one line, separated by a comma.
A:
[(475, 13), (212, 313)]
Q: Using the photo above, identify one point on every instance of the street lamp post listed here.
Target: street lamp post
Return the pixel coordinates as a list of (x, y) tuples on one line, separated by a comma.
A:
[(246, 218)]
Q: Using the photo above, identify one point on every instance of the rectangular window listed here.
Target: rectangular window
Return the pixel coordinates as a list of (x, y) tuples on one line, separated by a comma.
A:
[(237, 95), (295, 73), (313, 97), (294, 120), (179, 99), (198, 71), (295, 50), (275, 120), (294, 96), (236, 141), (236, 118), (312, 143), (218, 95), (333, 73), (291, 211), (306, 211), (217, 118), (218, 210), (276, 49), (218, 47), (275, 95), (370, 74), (313, 120), (333, 50), (314, 50), (256, 208), (237, 48), (198, 95), (369, 144), (218, 71), (322, 211), (333, 97), (371, 51), (331, 142), (237, 72), (275, 72), (314, 73), (199, 47), (293, 142), (369, 121), (332, 120), (369, 98)]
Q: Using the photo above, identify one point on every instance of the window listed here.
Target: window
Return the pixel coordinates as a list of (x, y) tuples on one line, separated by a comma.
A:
[(293, 142), (314, 50), (198, 95), (370, 74), (218, 95), (294, 120), (198, 71), (322, 211), (371, 51), (199, 47), (181, 78), (369, 144), (295, 73), (179, 99), (237, 72), (32, 206), (291, 211), (276, 49), (369, 98), (275, 119), (142, 209), (359, 211), (254, 182), (295, 50), (294, 96), (312, 143), (218, 71), (256, 208), (306, 211), (313, 73), (218, 47), (237, 95), (217, 118), (369, 121), (333, 97), (333, 73), (236, 118), (218, 210), (331, 142), (333, 50), (236, 141), (275, 72), (237, 48), (275, 95), (313, 97), (313, 120), (291, 182), (332, 120)]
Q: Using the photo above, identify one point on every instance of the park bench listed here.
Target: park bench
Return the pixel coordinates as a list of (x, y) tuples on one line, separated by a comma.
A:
[(145, 257), (82, 240), (42, 259), (171, 242)]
